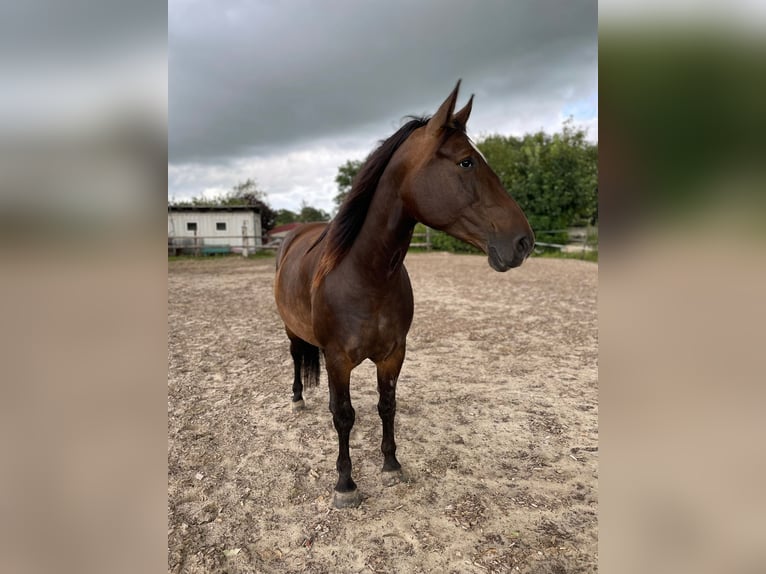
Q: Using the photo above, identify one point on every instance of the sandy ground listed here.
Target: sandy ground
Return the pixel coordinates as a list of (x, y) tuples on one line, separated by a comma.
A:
[(497, 428)]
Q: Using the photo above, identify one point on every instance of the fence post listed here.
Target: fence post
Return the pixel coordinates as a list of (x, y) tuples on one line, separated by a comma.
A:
[(428, 238), (244, 239)]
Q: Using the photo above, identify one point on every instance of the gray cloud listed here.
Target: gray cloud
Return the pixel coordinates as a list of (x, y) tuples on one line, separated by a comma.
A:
[(253, 78)]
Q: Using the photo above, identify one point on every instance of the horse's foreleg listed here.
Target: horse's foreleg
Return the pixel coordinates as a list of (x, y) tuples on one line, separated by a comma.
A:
[(343, 416), (388, 374)]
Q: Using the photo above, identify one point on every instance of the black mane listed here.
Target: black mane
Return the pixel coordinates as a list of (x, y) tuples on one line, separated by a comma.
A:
[(345, 226)]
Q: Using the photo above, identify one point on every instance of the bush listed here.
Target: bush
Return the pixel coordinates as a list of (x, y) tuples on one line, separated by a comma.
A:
[(440, 241)]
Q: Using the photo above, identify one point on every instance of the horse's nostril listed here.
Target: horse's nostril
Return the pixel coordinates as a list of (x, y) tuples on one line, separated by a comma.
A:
[(523, 245)]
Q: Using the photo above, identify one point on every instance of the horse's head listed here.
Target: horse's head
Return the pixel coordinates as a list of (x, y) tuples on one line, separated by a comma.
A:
[(447, 184)]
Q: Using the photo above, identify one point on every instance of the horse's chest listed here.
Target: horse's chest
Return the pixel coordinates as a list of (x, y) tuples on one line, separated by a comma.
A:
[(366, 327), (376, 323)]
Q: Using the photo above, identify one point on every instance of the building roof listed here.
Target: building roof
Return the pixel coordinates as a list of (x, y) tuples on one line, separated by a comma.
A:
[(203, 208)]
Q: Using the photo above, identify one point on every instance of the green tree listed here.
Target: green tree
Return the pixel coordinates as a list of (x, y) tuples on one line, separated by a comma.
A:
[(247, 193), (285, 216), (244, 193), (309, 213), (345, 178), (552, 177)]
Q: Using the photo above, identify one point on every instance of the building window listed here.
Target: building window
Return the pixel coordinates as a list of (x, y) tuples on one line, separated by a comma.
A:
[(220, 226), (191, 226)]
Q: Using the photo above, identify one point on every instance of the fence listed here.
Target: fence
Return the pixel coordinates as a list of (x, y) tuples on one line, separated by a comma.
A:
[(199, 245), (426, 239), (214, 245), (579, 240)]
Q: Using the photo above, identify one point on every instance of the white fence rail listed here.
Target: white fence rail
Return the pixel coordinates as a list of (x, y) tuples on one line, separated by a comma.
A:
[(578, 240), (213, 245), (199, 245)]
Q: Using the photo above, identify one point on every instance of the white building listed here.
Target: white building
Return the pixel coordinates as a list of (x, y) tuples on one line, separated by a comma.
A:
[(213, 229)]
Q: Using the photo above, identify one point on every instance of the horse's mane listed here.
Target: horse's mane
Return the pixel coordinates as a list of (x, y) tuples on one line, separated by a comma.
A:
[(345, 226)]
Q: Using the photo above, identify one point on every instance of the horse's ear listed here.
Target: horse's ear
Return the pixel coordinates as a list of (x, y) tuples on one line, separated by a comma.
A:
[(461, 117), (444, 114)]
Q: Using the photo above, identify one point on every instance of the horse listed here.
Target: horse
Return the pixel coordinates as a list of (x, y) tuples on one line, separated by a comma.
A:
[(342, 287)]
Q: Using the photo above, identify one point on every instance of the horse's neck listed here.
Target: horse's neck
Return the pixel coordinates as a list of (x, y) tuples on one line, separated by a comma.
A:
[(385, 236)]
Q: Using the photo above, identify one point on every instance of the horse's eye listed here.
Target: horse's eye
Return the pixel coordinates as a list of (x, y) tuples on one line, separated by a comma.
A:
[(466, 163)]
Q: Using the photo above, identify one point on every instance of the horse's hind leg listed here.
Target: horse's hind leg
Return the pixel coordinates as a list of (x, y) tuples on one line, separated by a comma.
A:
[(297, 403), (306, 368), (388, 374)]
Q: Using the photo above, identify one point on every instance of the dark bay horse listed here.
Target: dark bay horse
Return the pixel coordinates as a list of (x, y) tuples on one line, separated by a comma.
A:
[(342, 287)]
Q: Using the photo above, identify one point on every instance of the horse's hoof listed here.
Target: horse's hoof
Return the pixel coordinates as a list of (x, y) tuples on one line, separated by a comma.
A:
[(350, 499), (392, 477), (298, 405)]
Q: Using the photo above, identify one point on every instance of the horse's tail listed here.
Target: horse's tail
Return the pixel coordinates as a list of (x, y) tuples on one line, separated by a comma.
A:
[(309, 360)]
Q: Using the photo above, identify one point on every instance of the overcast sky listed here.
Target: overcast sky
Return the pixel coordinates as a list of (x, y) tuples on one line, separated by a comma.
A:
[(285, 92)]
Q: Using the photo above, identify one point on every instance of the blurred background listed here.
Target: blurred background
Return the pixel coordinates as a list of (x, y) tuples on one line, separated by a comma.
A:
[(681, 281), (83, 174)]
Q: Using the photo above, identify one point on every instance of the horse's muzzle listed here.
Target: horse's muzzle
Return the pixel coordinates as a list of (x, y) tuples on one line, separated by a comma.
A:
[(506, 255)]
